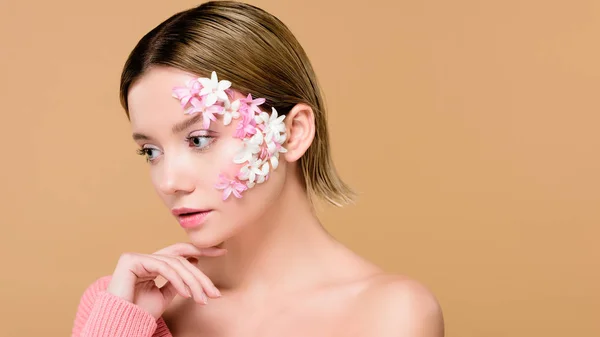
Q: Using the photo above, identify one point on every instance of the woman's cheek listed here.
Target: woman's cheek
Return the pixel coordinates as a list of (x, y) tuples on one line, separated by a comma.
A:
[(225, 164)]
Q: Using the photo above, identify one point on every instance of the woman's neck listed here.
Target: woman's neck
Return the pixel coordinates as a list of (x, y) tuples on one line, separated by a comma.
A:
[(287, 250)]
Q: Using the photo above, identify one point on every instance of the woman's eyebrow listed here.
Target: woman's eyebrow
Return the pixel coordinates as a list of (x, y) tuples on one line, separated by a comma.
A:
[(175, 129), (140, 136)]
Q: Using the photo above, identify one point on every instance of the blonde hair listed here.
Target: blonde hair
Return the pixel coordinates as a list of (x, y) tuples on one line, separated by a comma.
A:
[(259, 55)]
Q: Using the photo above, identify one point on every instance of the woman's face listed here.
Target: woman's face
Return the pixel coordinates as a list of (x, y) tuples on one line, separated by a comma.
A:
[(186, 160)]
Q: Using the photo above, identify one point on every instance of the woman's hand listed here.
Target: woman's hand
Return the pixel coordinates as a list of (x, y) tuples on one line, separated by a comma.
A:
[(135, 274)]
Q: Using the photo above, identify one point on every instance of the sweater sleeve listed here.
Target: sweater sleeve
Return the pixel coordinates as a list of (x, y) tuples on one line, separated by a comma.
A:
[(102, 314)]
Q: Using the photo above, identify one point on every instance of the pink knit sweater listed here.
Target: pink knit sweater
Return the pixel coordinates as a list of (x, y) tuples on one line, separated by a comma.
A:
[(101, 314)]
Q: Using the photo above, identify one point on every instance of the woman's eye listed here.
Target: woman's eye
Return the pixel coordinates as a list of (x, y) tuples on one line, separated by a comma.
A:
[(149, 152), (199, 142)]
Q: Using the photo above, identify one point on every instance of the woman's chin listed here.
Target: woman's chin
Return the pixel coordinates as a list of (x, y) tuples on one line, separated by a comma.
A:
[(205, 239)]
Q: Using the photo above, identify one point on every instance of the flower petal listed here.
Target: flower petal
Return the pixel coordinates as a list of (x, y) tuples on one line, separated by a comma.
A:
[(223, 85), (269, 137), (242, 156), (222, 96), (274, 162), (227, 192), (265, 169), (205, 91), (221, 185), (205, 122), (227, 118), (244, 172), (210, 99), (205, 82)]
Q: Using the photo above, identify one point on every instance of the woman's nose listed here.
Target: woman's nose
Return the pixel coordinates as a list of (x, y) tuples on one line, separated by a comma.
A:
[(176, 176)]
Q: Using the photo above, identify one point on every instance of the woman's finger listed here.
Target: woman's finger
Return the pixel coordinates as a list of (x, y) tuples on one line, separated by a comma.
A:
[(207, 284), (149, 266), (186, 275), (168, 291)]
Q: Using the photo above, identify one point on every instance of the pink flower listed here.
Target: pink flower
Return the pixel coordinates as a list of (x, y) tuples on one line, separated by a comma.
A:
[(208, 112), (185, 94), (264, 152), (230, 186), (253, 104), (247, 126)]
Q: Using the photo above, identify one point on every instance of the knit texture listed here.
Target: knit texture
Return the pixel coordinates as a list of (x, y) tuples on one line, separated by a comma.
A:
[(102, 314)]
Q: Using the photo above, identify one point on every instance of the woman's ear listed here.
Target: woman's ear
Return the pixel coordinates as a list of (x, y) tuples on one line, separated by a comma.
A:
[(300, 129)]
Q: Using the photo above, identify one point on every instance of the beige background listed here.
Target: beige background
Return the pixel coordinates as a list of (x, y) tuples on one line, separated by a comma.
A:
[(469, 128)]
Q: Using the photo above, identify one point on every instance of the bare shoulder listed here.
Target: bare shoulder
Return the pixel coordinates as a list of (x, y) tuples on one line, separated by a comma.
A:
[(393, 305)]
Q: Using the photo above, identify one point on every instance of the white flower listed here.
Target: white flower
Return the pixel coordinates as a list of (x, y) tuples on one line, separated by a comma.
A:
[(250, 148), (261, 117), (274, 159), (214, 89), (264, 171), (275, 146), (273, 150), (231, 111), (251, 170), (274, 127)]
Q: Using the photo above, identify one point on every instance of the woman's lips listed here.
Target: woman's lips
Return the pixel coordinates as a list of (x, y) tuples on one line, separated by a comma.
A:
[(190, 218)]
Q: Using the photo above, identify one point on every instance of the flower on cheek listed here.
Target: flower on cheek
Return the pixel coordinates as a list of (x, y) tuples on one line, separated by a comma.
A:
[(208, 112), (251, 147), (253, 104), (262, 134), (274, 127), (230, 186), (213, 89), (273, 154), (251, 170), (231, 111), (245, 127)]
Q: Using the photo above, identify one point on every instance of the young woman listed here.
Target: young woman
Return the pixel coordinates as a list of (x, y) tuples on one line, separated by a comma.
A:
[(226, 108)]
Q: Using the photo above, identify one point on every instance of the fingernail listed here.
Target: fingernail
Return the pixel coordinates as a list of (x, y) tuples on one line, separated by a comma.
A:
[(217, 292), (203, 298)]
